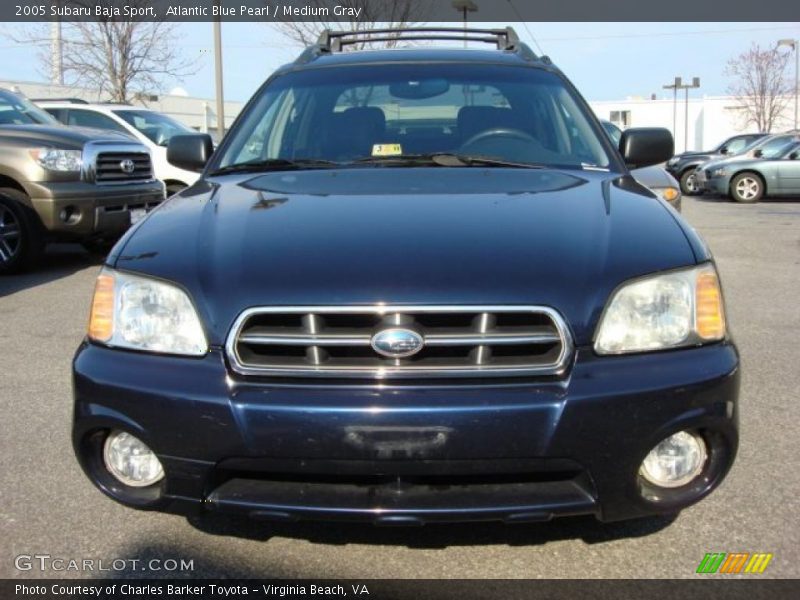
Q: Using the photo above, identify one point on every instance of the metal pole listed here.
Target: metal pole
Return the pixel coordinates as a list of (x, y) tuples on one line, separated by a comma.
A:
[(218, 76), (686, 122), (675, 111), (465, 29), (796, 78)]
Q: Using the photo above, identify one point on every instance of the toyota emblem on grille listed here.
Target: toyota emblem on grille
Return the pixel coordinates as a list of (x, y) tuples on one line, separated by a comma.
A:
[(127, 166), (397, 342)]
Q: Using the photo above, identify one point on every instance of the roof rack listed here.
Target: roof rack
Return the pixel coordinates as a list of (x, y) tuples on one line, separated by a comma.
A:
[(67, 100), (334, 41)]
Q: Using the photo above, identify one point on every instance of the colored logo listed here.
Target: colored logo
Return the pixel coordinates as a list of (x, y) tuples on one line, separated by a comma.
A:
[(734, 562)]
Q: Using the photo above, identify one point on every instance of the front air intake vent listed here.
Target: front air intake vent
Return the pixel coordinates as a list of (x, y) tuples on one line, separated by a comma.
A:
[(383, 342)]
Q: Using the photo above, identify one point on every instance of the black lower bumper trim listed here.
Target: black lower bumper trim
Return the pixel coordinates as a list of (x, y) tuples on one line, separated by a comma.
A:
[(404, 504)]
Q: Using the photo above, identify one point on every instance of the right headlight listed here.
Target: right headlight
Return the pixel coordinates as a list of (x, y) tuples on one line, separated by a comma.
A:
[(140, 313), (56, 159), (669, 310)]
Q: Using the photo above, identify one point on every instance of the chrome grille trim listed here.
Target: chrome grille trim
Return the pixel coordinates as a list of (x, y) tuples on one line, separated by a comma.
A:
[(101, 163), (554, 333)]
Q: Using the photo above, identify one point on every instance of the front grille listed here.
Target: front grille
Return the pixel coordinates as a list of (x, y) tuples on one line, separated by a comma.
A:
[(108, 167), (460, 341)]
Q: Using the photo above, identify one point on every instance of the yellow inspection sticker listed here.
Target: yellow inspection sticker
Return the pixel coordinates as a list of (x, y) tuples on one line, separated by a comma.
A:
[(386, 149)]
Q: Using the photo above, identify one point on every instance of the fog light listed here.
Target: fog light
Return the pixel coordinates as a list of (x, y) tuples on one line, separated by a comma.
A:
[(130, 460), (675, 461)]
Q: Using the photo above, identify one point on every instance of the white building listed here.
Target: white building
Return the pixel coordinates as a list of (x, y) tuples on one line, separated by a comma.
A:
[(711, 118), (198, 113)]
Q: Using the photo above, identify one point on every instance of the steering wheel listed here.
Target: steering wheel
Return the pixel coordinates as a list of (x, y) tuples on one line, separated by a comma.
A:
[(498, 132)]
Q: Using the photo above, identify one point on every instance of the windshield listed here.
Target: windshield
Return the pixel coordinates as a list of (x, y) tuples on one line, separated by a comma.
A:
[(614, 132), (156, 127), (373, 113), (15, 110)]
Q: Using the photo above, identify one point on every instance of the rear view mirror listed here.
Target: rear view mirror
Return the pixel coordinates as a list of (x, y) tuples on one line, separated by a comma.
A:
[(645, 146), (190, 152)]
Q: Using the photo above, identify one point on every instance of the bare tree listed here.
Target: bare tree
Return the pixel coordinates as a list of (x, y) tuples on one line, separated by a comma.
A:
[(373, 13), (760, 85), (123, 60)]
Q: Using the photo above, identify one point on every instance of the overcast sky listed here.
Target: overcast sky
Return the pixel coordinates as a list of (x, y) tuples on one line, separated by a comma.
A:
[(606, 61)]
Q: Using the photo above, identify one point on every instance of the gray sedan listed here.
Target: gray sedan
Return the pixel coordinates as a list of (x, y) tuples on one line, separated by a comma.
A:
[(749, 180)]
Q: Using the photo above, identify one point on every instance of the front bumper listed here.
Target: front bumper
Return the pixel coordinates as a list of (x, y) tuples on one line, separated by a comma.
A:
[(76, 210), (712, 185), (407, 454)]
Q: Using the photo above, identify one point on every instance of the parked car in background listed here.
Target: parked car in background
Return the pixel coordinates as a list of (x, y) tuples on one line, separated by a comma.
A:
[(412, 285), (768, 147), (151, 128), (750, 179), (655, 177), (62, 183), (682, 165)]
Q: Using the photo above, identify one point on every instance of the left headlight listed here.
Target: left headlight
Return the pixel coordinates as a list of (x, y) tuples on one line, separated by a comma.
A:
[(139, 313), (55, 159), (670, 310)]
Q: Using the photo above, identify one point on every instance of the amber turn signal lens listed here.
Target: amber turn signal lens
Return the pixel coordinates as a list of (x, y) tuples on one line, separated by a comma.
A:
[(669, 194), (708, 301), (101, 320)]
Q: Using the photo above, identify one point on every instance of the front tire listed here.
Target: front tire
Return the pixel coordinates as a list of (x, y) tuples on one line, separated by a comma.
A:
[(688, 183), (21, 240), (747, 188)]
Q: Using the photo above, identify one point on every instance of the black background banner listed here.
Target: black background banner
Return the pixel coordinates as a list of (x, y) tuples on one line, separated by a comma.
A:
[(435, 11), (705, 587)]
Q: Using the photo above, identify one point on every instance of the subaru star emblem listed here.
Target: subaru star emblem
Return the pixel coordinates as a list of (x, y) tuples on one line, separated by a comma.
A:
[(397, 343), (127, 166)]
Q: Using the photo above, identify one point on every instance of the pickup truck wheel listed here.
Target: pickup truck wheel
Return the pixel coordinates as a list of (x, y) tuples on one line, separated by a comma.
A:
[(688, 183), (747, 188), (21, 241)]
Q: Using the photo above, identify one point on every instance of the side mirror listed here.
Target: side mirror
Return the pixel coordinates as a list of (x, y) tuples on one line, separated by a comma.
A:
[(794, 155), (190, 152), (645, 146), (723, 150), (758, 153)]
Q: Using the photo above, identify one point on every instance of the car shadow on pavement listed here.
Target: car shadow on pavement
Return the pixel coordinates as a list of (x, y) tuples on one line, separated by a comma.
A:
[(59, 260), (587, 528)]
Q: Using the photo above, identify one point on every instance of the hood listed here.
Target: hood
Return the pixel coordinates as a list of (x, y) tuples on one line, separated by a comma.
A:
[(701, 154), (61, 135), (654, 177), (407, 235)]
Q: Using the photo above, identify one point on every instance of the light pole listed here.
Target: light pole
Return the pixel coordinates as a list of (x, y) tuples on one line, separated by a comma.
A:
[(794, 45), (674, 87), (679, 85), (218, 76), (465, 7)]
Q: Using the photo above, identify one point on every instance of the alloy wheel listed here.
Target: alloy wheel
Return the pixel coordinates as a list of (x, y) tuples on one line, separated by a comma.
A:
[(748, 188), (691, 184), (9, 235)]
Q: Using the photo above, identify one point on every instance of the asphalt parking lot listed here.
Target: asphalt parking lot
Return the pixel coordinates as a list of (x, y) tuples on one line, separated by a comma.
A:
[(48, 507)]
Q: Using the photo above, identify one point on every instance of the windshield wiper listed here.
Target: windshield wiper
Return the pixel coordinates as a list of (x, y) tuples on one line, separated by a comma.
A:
[(446, 159), (275, 164)]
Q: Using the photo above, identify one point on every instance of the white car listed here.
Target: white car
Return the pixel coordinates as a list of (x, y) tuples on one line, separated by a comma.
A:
[(153, 129)]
